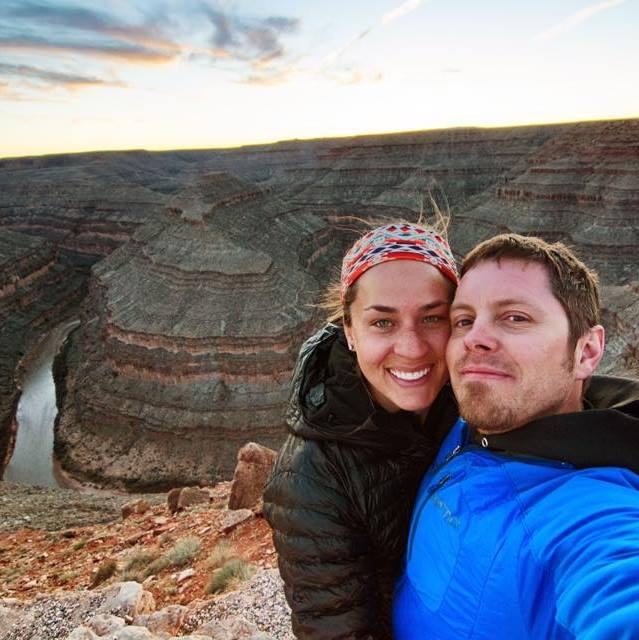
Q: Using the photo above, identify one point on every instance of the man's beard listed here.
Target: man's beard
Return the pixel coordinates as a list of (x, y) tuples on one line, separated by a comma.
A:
[(489, 410), (480, 407)]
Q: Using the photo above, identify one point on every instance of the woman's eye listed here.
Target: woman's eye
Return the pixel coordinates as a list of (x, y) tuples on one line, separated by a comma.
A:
[(515, 317), (382, 323)]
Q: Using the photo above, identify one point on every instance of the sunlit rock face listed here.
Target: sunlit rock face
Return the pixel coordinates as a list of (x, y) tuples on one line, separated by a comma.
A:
[(207, 266)]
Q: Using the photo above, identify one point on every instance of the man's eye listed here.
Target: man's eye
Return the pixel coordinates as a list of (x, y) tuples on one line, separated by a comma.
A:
[(433, 319)]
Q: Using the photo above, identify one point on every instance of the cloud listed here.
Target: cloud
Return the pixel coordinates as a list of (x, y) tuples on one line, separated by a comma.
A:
[(257, 41), (46, 76), (399, 11), (577, 18), (119, 50), (39, 26)]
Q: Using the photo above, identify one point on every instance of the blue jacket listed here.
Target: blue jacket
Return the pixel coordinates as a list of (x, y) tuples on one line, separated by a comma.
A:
[(505, 545)]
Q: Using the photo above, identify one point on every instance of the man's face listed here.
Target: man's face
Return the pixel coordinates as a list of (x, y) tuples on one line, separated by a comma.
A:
[(508, 354)]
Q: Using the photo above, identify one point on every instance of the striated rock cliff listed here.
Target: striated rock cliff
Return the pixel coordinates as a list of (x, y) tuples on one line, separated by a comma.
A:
[(206, 266), (190, 333)]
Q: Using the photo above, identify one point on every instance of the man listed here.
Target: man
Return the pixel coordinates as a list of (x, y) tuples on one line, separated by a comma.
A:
[(526, 526)]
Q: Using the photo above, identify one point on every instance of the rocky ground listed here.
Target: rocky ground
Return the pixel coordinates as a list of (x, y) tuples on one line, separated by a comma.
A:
[(76, 565)]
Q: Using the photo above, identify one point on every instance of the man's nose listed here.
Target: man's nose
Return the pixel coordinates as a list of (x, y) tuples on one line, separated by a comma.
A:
[(480, 337)]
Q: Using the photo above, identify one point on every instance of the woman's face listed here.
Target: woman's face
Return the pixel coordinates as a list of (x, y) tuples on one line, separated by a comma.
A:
[(399, 330)]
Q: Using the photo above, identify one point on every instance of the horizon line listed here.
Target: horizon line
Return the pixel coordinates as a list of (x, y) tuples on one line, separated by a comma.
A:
[(313, 139)]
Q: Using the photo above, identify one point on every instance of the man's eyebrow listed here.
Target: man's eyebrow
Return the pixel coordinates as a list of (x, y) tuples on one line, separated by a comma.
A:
[(425, 307), (500, 302)]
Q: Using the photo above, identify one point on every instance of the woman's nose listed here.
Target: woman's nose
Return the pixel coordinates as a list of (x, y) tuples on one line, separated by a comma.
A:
[(411, 343)]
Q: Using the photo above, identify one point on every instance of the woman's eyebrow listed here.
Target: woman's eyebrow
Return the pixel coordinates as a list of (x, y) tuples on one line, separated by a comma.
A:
[(425, 307)]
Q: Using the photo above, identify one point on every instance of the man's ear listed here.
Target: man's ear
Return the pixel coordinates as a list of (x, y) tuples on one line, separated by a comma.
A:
[(589, 351)]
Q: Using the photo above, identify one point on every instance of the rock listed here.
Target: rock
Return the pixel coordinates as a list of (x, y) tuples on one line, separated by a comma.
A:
[(172, 498), (166, 620), (82, 633), (235, 628), (233, 518), (254, 463), (216, 630), (133, 633), (184, 575), (105, 623), (190, 496), (185, 497), (8, 616), (134, 507), (127, 599)]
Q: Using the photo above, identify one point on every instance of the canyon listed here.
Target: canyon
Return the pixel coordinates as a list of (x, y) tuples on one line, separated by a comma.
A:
[(196, 274)]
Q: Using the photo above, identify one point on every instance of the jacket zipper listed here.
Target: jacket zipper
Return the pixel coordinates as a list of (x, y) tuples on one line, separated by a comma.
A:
[(440, 484)]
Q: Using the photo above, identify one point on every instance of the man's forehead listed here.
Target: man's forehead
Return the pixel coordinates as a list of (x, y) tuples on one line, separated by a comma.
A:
[(503, 281)]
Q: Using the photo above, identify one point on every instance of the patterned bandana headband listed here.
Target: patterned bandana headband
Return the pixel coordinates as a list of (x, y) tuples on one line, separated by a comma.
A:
[(397, 242)]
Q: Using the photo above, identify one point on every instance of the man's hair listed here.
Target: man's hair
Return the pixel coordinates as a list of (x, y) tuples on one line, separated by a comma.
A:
[(571, 281)]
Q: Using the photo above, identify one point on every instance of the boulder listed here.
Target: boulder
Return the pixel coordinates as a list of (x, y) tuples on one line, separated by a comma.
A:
[(134, 507), (234, 518), (105, 623), (133, 633), (127, 599), (82, 633), (254, 463), (166, 620), (184, 497)]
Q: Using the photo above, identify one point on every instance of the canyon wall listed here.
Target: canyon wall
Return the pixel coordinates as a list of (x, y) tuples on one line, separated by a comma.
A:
[(199, 271)]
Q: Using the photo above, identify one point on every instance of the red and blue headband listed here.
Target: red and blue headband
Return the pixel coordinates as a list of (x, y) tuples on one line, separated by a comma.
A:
[(400, 241)]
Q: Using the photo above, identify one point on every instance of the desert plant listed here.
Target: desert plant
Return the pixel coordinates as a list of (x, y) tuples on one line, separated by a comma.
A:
[(181, 553), (65, 576), (79, 544), (137, 562), (105, 570), (220, 554), (232, 572)]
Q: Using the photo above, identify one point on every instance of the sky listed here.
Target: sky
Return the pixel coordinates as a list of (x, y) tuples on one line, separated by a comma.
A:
[(175, 74)]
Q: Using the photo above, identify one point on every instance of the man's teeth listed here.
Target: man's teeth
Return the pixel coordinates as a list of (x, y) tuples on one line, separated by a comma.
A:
[(410, 375)]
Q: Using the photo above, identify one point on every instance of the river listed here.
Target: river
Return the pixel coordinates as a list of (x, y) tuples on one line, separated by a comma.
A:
[(32, 459)]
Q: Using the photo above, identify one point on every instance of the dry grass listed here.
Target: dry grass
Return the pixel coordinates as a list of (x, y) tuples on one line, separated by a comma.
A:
[(181, 553), (230, 574)]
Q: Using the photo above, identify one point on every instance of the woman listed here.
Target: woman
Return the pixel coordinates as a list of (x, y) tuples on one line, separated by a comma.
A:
[(368, 409)]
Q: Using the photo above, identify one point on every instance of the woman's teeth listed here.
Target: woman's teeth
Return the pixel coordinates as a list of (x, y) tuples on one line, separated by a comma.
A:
[(409, 375)]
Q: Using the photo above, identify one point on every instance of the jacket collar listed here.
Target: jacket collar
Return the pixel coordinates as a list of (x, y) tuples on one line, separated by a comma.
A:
[(604, 435)]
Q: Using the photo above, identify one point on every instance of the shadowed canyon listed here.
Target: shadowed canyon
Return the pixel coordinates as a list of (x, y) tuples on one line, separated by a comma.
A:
[(195, 274)]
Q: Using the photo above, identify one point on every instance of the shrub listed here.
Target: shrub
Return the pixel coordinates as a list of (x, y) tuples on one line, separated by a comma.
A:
[(232, 572), (136, 563), (80, 544), (105, 570), (65, 576), (220, 554), (181, 553)]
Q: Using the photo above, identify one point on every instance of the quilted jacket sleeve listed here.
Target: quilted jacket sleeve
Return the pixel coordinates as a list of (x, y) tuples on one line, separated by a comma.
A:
[(596, 566), (323, 550)]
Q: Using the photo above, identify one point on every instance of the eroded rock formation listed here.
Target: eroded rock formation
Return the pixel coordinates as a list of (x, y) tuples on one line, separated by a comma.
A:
[(207, 264)]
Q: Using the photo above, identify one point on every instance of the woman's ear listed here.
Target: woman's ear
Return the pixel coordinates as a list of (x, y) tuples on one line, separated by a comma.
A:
[(589, 351), (348, 331)]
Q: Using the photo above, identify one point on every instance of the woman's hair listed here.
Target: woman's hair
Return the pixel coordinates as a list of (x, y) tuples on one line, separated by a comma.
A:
[(336, 301)]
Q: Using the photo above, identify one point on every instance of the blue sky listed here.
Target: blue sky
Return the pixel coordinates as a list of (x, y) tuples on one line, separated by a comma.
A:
[(163, 74)]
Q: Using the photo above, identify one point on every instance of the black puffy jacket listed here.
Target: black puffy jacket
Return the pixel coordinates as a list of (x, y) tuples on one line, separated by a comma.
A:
[(340, 496)]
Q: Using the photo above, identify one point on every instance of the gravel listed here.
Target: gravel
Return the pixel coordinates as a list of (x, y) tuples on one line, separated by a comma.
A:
[(259, 600)]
